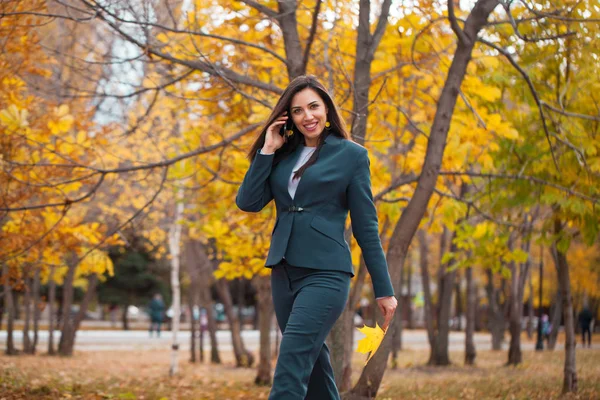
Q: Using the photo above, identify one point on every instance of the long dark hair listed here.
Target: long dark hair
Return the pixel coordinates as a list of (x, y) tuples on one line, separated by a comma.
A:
[(337, 125)]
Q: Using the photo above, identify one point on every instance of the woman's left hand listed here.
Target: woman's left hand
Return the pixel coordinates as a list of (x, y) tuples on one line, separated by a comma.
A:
[(387, 305)]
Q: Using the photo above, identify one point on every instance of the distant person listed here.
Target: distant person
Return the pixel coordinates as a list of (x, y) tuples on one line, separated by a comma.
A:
[(546, 327), (156, 311), (585, 321)]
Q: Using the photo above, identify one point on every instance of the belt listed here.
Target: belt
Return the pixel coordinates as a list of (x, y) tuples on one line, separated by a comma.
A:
[(293, 209)]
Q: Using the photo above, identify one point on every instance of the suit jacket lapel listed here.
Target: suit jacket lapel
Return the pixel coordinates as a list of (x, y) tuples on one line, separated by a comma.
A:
[(330, 142)]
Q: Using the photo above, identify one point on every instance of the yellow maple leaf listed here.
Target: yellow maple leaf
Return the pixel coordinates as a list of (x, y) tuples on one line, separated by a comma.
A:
[(370, 343)]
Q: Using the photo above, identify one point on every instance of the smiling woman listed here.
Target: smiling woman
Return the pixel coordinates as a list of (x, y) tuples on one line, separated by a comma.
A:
[(316, 175)]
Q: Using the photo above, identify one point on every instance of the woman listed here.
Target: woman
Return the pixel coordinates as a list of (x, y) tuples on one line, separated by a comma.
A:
[(316, 175)]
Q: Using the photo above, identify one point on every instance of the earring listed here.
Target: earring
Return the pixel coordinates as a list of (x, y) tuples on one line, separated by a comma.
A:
[(327, 125), (289, 132)]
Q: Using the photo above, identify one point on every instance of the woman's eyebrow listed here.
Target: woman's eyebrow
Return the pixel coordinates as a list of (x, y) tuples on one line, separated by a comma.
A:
[(311, 103)]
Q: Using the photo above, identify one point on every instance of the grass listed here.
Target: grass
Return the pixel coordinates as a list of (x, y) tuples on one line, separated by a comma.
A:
[(143, 375)]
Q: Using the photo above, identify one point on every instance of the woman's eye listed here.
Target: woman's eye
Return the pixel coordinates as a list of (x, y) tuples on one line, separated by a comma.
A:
[(296, 111), (314, 106)]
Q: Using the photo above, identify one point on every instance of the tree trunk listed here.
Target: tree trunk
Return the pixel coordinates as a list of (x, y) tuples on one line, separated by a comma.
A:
[(397, 322), (125, 317), (67, 338), (564, 280), (242, 356), (36, 309), (27, 306), (212, 333), (530, 307), (470, 352), (428, 302), (439, 352), (458, 302), (517, 291), (555, 319), (66, 320), (496, 320), (409, 310), (514, 351), (1, 311), (51, 311), (10, 312), (193, 324), (265, 316)]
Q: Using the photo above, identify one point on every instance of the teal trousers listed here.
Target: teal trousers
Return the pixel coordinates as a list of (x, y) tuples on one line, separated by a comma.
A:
[(307, 304)]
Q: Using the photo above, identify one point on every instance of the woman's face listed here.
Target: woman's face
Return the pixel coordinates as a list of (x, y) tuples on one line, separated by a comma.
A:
[(309, 114)]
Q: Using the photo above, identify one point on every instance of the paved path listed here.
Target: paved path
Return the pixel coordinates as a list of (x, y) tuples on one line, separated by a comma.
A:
[(111, 340)]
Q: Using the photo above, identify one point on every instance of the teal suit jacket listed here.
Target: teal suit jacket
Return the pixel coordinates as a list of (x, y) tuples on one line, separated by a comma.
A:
[(309, 231)]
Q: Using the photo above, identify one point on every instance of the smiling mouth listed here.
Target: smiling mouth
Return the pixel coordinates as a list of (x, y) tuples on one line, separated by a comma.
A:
[(311, 127)]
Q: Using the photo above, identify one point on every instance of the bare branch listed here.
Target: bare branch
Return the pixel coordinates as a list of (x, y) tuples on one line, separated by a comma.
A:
[(203, 66), (527, 38), (555, 15), (380, 28), (570, 114), (311, 36), (261, 8), (454, 24)]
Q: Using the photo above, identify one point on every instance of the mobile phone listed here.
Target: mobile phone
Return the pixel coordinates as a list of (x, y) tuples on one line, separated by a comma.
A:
[(285, 127)]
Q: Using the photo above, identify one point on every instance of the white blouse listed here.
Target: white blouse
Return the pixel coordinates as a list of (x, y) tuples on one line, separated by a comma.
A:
[(305, 154)]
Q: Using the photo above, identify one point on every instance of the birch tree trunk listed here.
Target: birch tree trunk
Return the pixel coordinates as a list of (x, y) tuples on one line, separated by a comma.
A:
[(174, 249)]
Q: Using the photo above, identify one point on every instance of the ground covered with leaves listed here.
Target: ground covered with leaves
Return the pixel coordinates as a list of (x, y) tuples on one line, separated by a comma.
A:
[(144, 375)]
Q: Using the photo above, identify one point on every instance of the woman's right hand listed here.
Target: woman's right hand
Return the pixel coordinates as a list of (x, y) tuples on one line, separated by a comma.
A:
[(273, 140)]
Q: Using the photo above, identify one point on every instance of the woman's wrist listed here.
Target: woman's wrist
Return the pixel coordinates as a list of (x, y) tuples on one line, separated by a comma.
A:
[(267, 150)]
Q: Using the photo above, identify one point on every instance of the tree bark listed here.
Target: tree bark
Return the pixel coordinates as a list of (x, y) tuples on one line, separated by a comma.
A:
[(243, 357), (409, 311), (458, 302), (428, 302), (27, 306), (67, 338), (124, 317), (496, 320), (67, 300), (212, 332), (570, 368), (470, 352), (555, 318), (10, 312), (439, 352), (193, 324), (51, 311), (265, 316), (530, 307), (36, 309), (518, 279), (397, 322)]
